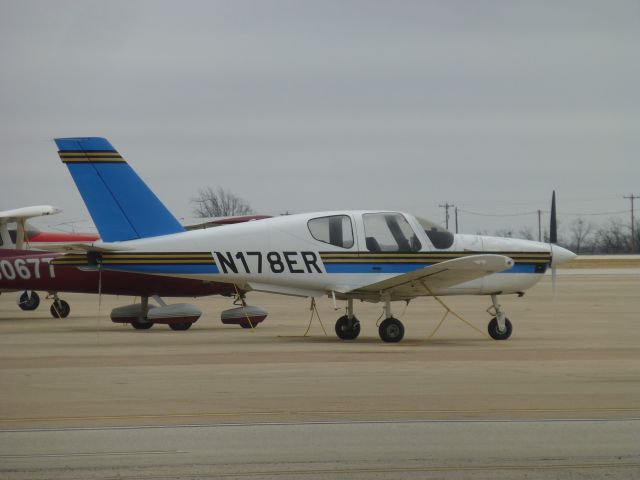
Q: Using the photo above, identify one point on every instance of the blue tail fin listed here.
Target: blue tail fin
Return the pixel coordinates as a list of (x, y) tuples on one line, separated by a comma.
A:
[(120, 203)]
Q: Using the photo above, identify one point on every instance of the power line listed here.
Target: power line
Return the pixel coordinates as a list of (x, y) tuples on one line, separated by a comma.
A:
[(535, 212), (593, 214), (497, 214), (446, 207)]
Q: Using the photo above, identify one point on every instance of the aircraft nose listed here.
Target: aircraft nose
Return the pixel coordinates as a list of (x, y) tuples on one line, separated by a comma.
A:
[(560, 255)]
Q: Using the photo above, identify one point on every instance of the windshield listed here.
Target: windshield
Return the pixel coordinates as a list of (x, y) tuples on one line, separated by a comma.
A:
[(439, 236)]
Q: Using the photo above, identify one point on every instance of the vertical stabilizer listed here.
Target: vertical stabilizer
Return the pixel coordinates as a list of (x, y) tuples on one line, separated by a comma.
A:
[(120, 203)]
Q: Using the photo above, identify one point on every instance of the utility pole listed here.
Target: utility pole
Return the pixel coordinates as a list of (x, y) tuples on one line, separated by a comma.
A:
[(632, 197), (539, 225), (446, 207), (456, 210)]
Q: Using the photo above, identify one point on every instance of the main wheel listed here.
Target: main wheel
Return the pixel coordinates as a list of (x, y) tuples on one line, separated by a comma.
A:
[(180, 326), (347, 329), (495, 333), (26, 302), (60, 309), (138, 325), (391, 330)]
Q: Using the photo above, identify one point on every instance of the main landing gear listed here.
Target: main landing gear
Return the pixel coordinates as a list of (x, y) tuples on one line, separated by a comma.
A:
[(391, 329), (499, 327), (348, 326), (28, 300)]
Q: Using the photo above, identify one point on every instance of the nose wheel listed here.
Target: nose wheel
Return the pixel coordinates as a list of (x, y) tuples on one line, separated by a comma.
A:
[(499, 327), (59, 309), (495, 333)]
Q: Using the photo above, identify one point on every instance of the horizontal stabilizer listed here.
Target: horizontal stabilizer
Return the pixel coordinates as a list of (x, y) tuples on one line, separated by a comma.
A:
[(120, 203)]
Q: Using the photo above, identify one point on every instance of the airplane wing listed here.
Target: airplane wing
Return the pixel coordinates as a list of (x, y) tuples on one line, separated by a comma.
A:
[(20, 216), (24, 213), (436, 277)]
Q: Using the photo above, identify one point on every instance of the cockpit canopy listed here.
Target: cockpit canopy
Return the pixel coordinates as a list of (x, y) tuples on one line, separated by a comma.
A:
[(383, 232)]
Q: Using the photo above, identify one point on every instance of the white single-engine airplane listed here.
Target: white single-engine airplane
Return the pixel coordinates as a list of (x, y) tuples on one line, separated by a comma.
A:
[(376, 256)]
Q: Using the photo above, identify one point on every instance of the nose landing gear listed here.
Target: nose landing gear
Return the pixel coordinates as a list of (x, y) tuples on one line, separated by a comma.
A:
[(499, 327)]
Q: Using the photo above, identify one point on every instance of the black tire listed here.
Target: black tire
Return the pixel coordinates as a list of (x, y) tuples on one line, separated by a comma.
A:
[(60, 309), (391, 330), (495, 333), (180, 326), (347, 329), (29, 303), (138, 325), (247, 325)]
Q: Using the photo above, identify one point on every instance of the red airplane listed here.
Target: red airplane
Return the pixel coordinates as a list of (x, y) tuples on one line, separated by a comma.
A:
[(31, 270)]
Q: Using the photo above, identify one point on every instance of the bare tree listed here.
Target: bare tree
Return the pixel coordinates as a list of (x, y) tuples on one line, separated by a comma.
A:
[(580, 230), (219, 203), (526, 233), (612, 238), (503, 232)]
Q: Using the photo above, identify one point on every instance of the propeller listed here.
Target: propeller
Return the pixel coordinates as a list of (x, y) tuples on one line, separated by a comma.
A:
[(553, 239), (559, 254)]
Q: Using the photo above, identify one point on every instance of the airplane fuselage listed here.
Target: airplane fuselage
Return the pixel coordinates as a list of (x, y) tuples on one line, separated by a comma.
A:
[(317, 253)]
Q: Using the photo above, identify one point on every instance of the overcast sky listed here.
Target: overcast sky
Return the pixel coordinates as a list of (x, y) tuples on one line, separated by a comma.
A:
[(301, 106)]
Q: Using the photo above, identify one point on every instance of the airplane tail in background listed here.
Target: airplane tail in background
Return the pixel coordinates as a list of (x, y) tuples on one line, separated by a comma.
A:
[(120, 203)]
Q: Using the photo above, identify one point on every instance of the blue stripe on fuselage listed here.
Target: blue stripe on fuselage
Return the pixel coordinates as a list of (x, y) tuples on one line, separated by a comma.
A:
[(184, 269), (378, 268)]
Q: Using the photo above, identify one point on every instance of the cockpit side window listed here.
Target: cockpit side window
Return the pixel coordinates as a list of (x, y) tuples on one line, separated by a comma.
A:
[(389, 232), (335, 230)]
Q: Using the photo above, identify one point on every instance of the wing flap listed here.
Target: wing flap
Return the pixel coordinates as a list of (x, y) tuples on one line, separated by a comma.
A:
[(441, 275)]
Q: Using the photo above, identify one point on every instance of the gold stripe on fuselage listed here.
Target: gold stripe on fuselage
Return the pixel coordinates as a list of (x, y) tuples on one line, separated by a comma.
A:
[(427, 257), (140, 258)]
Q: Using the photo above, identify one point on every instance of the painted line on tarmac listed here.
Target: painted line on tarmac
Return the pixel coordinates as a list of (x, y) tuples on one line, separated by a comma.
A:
[(319, 423), (90, 454), (320, 412), (426, 469)]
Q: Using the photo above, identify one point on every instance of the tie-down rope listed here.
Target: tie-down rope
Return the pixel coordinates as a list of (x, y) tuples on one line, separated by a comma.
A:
[(447, 312)]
